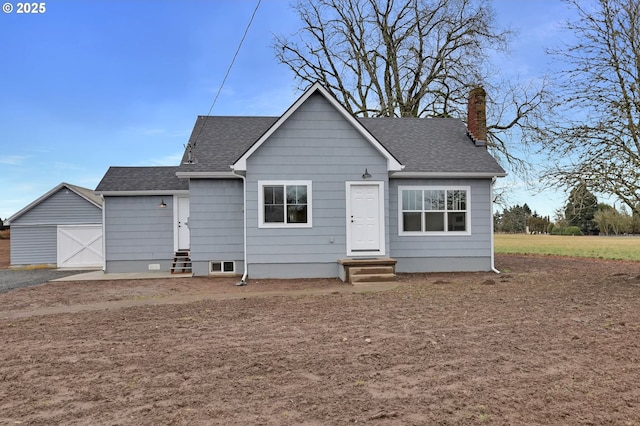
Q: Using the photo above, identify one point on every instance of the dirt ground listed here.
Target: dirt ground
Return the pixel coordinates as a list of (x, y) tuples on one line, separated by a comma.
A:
[(4, 253), (549, 341)]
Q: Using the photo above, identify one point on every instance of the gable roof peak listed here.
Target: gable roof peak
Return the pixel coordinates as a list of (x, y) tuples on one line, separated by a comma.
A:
[(85, 193), (392, 163)]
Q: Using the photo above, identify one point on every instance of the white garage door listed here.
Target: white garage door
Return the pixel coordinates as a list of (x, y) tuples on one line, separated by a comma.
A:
[(79, 246)]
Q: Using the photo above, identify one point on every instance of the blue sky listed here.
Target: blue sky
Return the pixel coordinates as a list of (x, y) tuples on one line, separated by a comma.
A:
[(90, 84)]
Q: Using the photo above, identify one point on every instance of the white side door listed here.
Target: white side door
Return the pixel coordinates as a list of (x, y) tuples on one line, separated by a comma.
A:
[(183, 234)]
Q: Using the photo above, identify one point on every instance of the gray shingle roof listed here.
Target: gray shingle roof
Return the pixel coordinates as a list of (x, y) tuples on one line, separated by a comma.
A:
[(422, 145), (221, 140), (439, 145), (142, 179)]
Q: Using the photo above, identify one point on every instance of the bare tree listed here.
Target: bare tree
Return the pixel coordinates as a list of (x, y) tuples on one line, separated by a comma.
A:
[(594, 134), (407, 58), (610, 220)]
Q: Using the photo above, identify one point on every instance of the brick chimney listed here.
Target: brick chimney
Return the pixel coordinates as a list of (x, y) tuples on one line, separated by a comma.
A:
[(477, 116)]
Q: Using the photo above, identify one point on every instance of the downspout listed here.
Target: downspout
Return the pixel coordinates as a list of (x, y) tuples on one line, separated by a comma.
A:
[(243, 280), (493, 267), (104, 234)]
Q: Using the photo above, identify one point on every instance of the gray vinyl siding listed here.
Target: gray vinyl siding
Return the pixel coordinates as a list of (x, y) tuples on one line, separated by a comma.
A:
[(34, 245), (316, 143), (294, 270), (138, 232), (431, 253), (64, 207), (34, 233), (216, 223)]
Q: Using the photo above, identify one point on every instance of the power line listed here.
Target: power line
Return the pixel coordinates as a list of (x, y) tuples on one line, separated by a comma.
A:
[(191, 146)]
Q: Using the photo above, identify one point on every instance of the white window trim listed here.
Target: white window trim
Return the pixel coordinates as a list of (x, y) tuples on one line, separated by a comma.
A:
[(222, 271), (431, 233), (263, 183)]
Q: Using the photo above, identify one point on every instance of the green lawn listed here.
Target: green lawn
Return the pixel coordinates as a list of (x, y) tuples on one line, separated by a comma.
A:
[(618, 248)]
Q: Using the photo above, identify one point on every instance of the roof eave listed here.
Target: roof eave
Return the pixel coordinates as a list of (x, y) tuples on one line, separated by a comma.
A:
[(206, 175), (143, 192), (466, 175)]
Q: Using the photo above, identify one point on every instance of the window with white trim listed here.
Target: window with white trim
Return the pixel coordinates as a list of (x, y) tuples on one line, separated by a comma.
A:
[(222, 267), (284, 204), (427, 209)]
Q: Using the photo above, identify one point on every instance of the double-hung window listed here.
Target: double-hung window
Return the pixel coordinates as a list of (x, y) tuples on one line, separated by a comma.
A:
[(427, 209), (284, 204)]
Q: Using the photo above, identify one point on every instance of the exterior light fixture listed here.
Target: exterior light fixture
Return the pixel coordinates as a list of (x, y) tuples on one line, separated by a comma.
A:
[(366, 174), (162, 204)]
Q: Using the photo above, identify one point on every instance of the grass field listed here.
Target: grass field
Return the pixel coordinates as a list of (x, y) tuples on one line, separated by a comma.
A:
[(617, 248)]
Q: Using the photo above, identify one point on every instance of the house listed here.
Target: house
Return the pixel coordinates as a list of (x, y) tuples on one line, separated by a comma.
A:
[(309, 193), (62, 228)]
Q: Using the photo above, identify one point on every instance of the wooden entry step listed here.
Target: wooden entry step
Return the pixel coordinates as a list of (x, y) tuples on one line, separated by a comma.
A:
[(181, 263), (355, 271)]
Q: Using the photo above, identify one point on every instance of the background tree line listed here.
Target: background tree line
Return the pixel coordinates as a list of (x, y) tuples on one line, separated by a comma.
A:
[(591, 217), (519, 219), (581, 215)]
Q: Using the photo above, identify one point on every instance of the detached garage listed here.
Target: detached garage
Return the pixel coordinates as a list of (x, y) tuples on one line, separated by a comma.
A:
[(63, 228)]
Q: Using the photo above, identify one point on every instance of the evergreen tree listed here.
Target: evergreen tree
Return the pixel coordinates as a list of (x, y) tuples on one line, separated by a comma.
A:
[(538, 224), (581, 208), (514, 219)]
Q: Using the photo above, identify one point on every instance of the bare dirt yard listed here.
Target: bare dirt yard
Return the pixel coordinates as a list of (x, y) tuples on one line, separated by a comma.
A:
[(4, 253), (549, 341)]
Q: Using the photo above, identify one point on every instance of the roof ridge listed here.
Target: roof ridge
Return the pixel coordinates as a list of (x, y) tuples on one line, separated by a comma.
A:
[(411, 118), (238, 116), (142, 167)]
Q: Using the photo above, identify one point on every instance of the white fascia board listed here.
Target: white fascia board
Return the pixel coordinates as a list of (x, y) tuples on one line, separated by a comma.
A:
[(394, 166), (392, 163), (467, 175), (142, 193), (206, 175)]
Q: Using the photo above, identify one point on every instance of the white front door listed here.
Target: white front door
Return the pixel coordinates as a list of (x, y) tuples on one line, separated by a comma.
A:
[(79, 246), (365, 219), (184, 237)]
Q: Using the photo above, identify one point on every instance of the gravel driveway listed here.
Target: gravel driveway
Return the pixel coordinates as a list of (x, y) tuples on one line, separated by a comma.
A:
[(17, 278)]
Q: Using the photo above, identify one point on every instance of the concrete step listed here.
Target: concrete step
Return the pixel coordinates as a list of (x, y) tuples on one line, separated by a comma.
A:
[(367, 270), (372, 278), (371, 270)]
